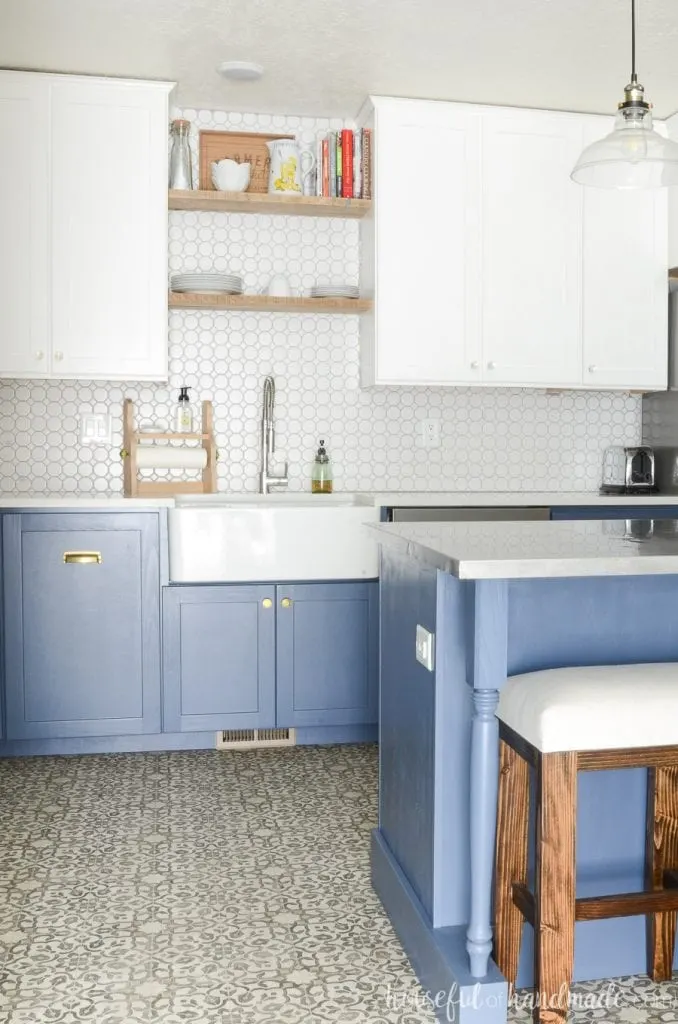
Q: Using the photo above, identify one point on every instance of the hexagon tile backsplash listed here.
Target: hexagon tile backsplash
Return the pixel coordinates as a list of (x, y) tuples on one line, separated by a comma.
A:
[(504, 439)]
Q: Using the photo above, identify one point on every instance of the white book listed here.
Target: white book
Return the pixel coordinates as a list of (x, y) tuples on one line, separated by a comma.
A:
[(357, 161)]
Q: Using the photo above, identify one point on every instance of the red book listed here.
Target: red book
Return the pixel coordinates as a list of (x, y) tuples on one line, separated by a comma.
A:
[(347, 163), (326, 167)]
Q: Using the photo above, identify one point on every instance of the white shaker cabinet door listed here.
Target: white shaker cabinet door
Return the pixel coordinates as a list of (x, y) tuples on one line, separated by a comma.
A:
[(109, 229), (625, 283), (426, 327), (24, 230), (531, 248)]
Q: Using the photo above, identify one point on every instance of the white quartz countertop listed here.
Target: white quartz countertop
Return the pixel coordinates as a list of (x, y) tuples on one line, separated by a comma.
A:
[(412, 499), (516, 550), (102, 503)]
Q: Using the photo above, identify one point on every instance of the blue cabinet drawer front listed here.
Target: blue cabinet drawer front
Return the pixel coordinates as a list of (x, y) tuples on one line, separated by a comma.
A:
[(615, 512), (327, 661), (82, 622), (219, 658), (82, 653)]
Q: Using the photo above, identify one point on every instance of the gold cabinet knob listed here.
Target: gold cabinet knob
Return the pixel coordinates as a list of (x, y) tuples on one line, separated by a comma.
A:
[(267, 603), (286, 602)]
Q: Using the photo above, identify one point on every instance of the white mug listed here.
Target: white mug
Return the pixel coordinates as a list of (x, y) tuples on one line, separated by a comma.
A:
[(287, 171)]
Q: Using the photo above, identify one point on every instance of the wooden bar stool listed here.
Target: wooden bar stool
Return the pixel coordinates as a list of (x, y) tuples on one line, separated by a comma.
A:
[(562, 721)]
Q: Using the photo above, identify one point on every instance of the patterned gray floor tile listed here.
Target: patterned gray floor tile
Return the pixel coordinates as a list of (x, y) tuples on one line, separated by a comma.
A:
[(206, 888)]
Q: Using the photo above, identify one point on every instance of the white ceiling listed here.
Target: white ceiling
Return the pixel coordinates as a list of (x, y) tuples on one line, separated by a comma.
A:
[(325, 56)]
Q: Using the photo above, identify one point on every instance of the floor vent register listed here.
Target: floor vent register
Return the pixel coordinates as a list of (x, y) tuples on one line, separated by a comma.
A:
[(251, 739)]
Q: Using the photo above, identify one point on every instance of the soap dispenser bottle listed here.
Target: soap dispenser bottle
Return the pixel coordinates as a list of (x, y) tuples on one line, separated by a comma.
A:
[(184, 414), (321, 472)]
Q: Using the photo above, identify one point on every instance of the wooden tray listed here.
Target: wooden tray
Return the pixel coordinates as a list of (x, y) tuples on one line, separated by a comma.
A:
[(244, 147)]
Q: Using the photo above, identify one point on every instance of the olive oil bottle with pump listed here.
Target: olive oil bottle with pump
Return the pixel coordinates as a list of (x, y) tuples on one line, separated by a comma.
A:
[(321, 472)]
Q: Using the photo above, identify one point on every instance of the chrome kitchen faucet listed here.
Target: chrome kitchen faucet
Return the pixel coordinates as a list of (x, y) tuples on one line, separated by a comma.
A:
[(266, 479)]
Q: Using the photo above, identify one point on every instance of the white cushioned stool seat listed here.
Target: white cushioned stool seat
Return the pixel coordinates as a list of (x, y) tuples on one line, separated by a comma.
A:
[(596, 707)]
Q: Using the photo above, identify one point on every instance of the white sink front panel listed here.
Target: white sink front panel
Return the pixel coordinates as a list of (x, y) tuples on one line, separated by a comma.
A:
[(231, 543)]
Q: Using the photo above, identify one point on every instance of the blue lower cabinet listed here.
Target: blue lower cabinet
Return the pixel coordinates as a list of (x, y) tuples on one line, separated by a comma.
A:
[(81, 624), (327, 654), (615, 512), (218, 657)]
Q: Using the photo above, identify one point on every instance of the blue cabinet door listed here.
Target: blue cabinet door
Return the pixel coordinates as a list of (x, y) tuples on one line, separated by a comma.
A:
[(218, 658), (615, 512), (82, 624), (327, 654)]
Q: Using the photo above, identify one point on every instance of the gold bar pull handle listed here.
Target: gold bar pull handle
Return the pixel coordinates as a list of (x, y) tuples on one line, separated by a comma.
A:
[(82, 557)]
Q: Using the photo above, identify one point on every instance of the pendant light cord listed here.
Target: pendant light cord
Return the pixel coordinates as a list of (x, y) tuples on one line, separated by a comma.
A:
[(634, 76)]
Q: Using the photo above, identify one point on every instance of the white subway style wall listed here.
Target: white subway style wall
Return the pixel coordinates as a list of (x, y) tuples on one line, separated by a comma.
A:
[(504, 439)]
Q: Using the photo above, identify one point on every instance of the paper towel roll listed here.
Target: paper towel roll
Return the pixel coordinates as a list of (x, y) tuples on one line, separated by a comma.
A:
[(163, 457)]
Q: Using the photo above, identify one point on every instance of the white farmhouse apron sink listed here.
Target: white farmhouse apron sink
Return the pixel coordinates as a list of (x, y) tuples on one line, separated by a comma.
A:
[(222, 538)]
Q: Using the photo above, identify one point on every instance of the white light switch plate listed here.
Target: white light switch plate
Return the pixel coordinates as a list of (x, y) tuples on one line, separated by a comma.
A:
[(424, 647), (95, 428)]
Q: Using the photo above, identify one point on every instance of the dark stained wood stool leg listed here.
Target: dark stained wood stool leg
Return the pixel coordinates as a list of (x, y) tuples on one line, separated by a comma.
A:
[(661, 853), (511, 857), (555, 884)]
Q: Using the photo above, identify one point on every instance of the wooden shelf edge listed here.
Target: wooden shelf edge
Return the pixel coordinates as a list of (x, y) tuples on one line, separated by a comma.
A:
[(262, 202), (268, 303)]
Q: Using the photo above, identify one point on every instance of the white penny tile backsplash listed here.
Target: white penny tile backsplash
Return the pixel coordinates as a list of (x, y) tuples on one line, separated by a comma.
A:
[(504, 439)]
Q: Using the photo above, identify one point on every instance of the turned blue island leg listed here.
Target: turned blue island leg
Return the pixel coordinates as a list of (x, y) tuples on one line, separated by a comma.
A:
[(484, 780), (488, 625)]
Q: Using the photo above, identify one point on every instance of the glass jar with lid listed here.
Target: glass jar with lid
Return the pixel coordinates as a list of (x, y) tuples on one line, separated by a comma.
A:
[(180, 169)]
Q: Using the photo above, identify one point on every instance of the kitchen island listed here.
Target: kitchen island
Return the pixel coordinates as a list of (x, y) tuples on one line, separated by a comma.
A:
[(463, 607)]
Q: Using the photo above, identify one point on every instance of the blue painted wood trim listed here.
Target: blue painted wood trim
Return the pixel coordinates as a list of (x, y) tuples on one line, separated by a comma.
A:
[(256, 650), (487, 625), (488, 646), (327, 653), (438, 955), (452, 758), (615, 512), (483, 817), (172, 741), (145, 524)]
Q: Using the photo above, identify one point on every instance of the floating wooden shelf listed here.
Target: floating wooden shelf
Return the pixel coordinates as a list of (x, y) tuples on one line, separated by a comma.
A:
[(267, 303), (673, 279), (258, 202)]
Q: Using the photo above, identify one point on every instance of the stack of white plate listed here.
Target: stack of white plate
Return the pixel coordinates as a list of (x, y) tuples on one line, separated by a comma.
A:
[(335, 291), (227, 284)]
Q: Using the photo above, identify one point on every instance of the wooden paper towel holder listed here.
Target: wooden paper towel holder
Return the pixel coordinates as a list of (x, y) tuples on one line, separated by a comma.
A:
[(135, 488)]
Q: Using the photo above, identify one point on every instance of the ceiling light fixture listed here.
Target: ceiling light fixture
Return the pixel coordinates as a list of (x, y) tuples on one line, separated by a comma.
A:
[(240, 70), (634, 155)]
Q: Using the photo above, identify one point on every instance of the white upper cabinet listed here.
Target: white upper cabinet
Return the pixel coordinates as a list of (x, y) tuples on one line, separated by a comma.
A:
[(109, 230), (24, 242), (531, 272), (489, 266), (99, 228), (421, 255), (625, 315)]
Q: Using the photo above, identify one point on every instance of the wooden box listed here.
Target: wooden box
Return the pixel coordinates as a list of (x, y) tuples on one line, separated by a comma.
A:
[(244, 147)]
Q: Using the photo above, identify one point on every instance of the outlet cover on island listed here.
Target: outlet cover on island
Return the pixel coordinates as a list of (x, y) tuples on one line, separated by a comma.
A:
[(424, 647), (95, 428), (429, 433)]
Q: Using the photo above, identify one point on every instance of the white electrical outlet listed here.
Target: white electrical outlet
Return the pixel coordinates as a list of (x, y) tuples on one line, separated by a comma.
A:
[(424, 644), (95, 428), (430, 433)]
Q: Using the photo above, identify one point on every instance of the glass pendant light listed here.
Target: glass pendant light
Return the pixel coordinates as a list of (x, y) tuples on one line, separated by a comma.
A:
[(634, 155)]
